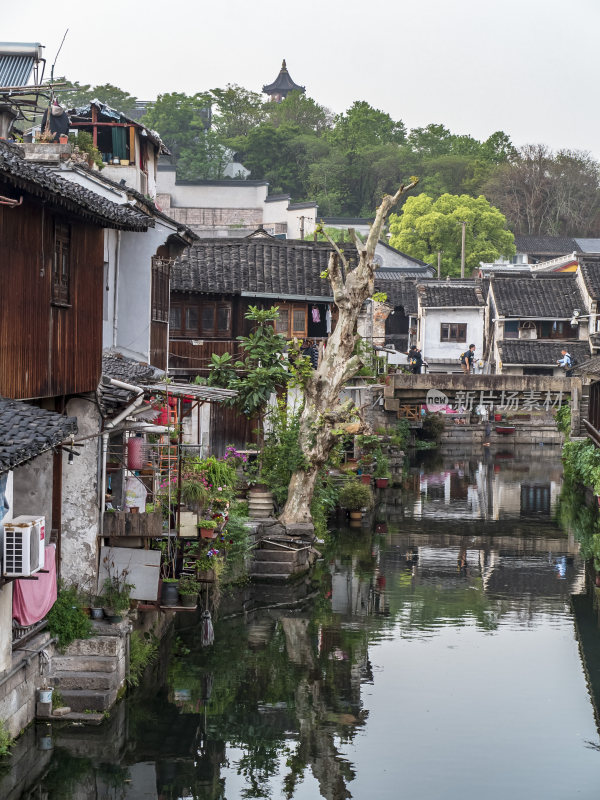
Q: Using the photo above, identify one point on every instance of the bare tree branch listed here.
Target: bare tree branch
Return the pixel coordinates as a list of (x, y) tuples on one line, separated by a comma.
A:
[(388, 202)]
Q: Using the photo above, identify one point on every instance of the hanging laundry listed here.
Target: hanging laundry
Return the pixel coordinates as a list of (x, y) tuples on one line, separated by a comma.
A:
[(316, 316), (328, 320)]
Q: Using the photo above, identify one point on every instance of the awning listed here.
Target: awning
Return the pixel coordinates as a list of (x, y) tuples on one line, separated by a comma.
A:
[(206, 394)]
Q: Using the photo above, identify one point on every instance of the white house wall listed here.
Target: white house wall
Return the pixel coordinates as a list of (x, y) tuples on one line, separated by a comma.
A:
[(233, 194), (430, 325), (294, 222)]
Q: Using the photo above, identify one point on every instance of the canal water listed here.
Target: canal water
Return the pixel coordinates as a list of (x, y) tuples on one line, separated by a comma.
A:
[(445, 648)]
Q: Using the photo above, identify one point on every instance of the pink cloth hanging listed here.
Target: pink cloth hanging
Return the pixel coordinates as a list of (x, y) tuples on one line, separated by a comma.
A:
[(32, 600), (316, 317)]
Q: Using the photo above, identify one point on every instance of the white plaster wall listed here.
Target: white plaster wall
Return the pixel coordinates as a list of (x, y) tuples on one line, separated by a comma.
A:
[(80, 512), (275, 212), (234, 194), (430, 321), (135, 289), (293, 221), (32, 488)]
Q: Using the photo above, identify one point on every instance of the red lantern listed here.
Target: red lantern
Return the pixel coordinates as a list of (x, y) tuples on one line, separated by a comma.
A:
[(135, 453)]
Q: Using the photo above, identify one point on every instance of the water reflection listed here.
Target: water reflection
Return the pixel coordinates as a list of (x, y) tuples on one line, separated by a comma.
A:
[(448, 637)]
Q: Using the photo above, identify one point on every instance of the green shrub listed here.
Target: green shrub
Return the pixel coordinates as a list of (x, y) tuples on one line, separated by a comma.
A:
[(401, 434), (143, 650), (433, 427), (355, 495), (6, 740), (66, 619), (563, 419)]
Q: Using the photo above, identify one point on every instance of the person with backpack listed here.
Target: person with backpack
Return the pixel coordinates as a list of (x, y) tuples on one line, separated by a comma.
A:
[(415, 360), (567, 362), (466, 359)]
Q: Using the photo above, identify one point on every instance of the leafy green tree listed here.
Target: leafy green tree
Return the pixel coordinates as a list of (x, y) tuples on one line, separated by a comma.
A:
[(205, 160), (180, 119), (364, 126), (237, 112), (75, 94), (298, 109), (426, 226), (262, 369)]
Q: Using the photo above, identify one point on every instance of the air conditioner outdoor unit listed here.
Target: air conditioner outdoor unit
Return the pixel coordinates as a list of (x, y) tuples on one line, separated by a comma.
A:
[(24, 542)]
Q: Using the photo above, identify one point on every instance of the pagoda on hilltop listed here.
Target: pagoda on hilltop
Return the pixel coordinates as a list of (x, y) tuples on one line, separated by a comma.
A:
[(282, 85)]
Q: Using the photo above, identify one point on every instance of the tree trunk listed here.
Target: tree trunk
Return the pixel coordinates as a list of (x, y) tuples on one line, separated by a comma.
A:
[(322, 412)]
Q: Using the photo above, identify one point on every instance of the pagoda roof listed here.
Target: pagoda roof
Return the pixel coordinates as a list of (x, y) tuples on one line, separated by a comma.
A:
[(283, 83)]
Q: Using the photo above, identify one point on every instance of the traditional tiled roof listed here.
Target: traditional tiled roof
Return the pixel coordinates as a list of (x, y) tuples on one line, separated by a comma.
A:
[(283, 83), (590, 270), (546, 296), (47, 184), (412, 259), (400, 293), (261, 267), (450, 294), (588, 244), (28, 431), (547, 245), (540, 352), (116, 365)]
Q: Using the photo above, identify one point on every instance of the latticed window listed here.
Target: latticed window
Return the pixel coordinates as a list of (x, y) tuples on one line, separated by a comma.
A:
[(160, 289), (453, 332), (61, 264)]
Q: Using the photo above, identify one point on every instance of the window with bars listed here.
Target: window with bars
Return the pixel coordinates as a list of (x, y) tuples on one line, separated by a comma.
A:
[(61, 264), (160, 289), (453, 332)]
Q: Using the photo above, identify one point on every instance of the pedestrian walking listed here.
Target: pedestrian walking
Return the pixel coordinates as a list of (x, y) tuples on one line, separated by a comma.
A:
[(566, 362), (466, 359)]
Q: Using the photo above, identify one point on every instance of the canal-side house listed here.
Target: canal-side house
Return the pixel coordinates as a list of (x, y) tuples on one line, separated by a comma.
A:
[(51, 257), (451, 316), (532, 318)]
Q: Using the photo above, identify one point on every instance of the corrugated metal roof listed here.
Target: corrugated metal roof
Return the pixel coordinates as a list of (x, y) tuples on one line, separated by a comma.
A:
[(15, 70), (588, 245)]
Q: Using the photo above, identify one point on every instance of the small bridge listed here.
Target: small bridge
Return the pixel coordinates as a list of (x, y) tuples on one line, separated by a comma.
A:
[(518, 394)]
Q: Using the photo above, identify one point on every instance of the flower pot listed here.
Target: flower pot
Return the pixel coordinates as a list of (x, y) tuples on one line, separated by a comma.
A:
[(208, 533), (112, 619), (356, 515), (63, 138), (96, 613), (170, 594), (382, 483), (497, 417), (45, 695), (366, 479), (124, 162), (188, 600)]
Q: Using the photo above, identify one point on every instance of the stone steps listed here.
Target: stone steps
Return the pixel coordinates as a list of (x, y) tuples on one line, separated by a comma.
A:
[(97, 646), (275, 567), (84, 664), (96, 681), (275, 554), (89, 700)]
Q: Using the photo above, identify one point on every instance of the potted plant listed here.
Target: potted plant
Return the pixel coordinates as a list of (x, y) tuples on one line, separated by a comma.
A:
[(188, 590), (382, 472), (207, 528), (116, 594), (96, 610), (354, 497)]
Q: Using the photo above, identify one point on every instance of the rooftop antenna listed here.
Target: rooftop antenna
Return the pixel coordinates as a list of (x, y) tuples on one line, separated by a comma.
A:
[(56, 56)]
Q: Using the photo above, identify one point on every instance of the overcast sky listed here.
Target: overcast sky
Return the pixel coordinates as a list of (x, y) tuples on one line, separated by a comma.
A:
[(528, 67)]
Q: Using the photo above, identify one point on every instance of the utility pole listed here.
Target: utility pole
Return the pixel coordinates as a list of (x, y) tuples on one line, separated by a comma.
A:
[(462, 250), (439, 264), (302, 227)]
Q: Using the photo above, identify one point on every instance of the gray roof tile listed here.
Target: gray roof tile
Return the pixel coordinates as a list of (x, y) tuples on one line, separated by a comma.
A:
[(28, 431), (450, 294), (540, 352), (545, 245), (46, 183), (546, 296)]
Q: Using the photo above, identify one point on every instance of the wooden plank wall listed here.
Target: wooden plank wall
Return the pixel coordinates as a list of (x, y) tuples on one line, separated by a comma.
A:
[(229, 426), (195, 358), (159, 340), (46, 350)]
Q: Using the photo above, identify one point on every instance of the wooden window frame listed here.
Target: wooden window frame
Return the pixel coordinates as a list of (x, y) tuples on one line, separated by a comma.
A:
[(201, 332), (161, 282), (457, 332), (292, 332), (61, 278)]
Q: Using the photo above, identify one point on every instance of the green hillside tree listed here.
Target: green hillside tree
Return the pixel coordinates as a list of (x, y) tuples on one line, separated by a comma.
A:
[(425, 226)]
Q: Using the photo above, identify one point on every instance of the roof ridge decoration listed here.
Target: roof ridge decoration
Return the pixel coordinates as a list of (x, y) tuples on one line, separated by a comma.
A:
[(283, 84)]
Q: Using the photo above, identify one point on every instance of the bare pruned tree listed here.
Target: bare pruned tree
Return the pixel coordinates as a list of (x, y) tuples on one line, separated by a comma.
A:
[(323, 411)]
